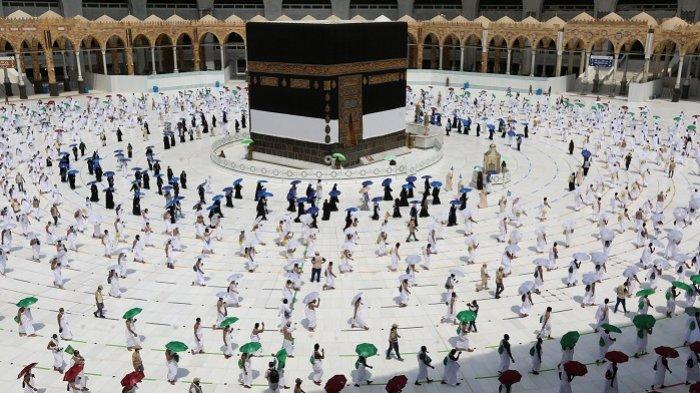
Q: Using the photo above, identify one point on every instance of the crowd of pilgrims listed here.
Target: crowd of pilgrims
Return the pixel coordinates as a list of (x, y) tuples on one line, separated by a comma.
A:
[(37, 137)]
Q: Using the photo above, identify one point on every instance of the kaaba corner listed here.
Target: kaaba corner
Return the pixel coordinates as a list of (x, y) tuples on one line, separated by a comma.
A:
[(322, 88)]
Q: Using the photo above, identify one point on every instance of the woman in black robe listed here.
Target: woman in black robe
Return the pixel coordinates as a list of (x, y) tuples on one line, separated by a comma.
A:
[(237, 191), (403, 197), (94, 195), (424, 208), (145, 179), (397, 211), (326, 208), (452, 216), (387, 193), (109, 199), (375, 211), (436, 195)]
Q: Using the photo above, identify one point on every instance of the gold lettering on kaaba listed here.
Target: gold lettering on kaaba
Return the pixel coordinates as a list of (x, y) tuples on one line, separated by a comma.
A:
[(384, 78), (326, 69), (269, 81), (327, 85), (296, 83)]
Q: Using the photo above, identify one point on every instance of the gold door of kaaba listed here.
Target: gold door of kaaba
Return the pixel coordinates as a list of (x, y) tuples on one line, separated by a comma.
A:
[(349, 110)]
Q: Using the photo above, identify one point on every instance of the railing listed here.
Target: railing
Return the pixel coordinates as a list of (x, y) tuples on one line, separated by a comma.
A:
[(305, 6), (262, 169), (241, 6), (373, 6)]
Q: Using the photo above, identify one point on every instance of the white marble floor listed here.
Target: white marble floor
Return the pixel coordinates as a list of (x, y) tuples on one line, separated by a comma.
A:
[(170, 304)]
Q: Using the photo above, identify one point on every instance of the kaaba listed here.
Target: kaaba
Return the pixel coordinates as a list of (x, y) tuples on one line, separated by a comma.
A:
[(321, 88)]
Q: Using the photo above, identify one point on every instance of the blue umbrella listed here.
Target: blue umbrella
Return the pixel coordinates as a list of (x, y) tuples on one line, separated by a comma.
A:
[(139, 194), (93, 159), (174, 179), (237, 181), (334, 193), (91, 182), (262, 181), (585, 153), (408, 186), (159, 175), (302, 200), (267, 194), (118, 150), (64, 153), (295, 182), (212, 207), (312, 210), (217, 197), (511, 133), (425, 177), (171, 203), (109, 173), (351, 209), (167, 188), (411, 179), (520, 135), (456, 202), (150, 147), (491, 126), (386, 182), (465, 190), (124, 159), (72, 171), (367, 183), (436, 184), (137, 169), (108, 189), (227, 189), (179, 198), (415, 202), (377, 199), (73, 145)]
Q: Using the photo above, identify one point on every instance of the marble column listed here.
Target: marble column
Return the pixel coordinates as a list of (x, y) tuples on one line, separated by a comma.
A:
[(645, 71), (508, 58), (440, 50), (557, 71), (223, 57), (461, 58), (104, 62), (81, 82), (20, 76), (677, 86), (532, 62), (153, 60), (485, 59), (175, 70)]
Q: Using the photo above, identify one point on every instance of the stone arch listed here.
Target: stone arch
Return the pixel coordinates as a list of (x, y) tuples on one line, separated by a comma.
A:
[(574, 60), (497, 54), (235, 52), (545, 56), (110, 37), (412, 51), (451, 52), (601, 46), (33, 58), (114, 54), (663, 52), (210, 54), (184, 45), (431, 54), (521, 55), (62, 52), (472, 52), (141, 49)]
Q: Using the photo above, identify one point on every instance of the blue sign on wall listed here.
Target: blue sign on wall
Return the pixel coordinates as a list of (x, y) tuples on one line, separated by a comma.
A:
[(600, 61)]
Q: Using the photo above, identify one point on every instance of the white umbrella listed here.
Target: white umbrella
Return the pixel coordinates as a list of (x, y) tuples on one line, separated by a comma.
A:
[(568, 224), (516, 235), (630, 271), (680, 213), (405, 277), (675, 235), (512, 249), (541, 262), (222, 295), (310, 297), (526, 287), (413, 259), (590, 278), (354, 298), (457, 272), (9, 225), (293, 245), (607, 234), (235, 277), (349, 231), (306, 219), (598, 257), (662, 263), (113, 267), (680, 257), (581, 256), (657, 217)]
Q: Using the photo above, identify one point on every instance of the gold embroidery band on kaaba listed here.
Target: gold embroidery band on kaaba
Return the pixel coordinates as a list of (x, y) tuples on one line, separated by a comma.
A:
[(326, 70), (384, 78)]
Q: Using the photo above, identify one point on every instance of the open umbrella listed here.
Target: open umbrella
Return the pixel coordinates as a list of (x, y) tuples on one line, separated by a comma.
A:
[(386, 182), (396, 384), (457, 272), (590, 278), (310, 297), (569, 339), (367, 183), (630, 271), (436, 184), (73, 372), (27, 301), (336, 383), (581, 256), (585, 153), (541, 262), (695, 279), (675, 235), (509, 377), (526, 287), (682, 285), (512, 249), (666, 352), (598, 258), (366, 350), (228, 322), (132, 313), (644, 321), (339, 156), (235, 277), (680, 257), (575, 369), (176, 346), (26, 369), (250, 347), (607, 234), (356, 298), (645, 292), (617, 357), (413, 259), (131, 379), (611, 328), (466, 316)]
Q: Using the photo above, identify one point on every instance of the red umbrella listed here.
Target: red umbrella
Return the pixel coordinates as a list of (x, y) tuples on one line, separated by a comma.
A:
[(695, 347), (509, 377), (666, 352), (131, 379), (73, 372), (695, 388), (25, 370), (575, 369), (336, 383), (617, 357), (396, 384)]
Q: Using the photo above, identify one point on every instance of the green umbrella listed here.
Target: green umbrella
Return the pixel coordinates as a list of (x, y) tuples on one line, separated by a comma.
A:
[(691, 127), (645, 292), (132, 313), (691, 311), (682, 285), (466, 316), (246, 141), (644, 321), (281, 357), (390, 157), (339, 156), (695, 279), (69, 350), (611, 328), (176, 346), (366, 350), (228, 322), (250, 347), (677, 118), (27, 301), (569, 339)]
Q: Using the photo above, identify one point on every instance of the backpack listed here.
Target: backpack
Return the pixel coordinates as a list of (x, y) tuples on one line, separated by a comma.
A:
[(273, 376)]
